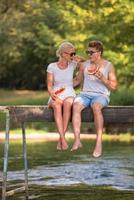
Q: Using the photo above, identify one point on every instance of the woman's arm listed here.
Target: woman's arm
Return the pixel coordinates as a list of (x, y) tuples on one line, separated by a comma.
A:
[(79, 77), (50, 79)]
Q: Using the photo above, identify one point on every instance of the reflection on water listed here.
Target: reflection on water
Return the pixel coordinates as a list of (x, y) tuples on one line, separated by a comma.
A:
[(51, 170)]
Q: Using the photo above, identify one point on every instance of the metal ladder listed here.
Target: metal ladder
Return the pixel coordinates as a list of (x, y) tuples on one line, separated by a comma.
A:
[(6, 193)]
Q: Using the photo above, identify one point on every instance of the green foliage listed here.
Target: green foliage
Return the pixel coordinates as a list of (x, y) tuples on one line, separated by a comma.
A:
[(123, 97), (31, 30)]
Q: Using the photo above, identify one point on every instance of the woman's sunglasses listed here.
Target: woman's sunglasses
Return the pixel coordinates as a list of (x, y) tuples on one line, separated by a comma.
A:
[(71, 54)]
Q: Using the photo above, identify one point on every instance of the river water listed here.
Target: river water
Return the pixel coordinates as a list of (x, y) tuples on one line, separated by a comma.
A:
[(73, 175)]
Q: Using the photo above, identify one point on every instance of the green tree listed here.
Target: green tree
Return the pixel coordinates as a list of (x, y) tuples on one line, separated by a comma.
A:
[(31, 30)]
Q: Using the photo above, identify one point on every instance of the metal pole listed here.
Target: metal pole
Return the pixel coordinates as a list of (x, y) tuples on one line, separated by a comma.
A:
[(25, 160), (6, 148)]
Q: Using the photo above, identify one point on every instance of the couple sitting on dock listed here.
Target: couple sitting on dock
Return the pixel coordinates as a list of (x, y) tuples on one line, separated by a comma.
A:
[(98, 78)]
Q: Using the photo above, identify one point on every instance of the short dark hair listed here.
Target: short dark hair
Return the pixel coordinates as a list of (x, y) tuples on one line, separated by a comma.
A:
[(96, 44)]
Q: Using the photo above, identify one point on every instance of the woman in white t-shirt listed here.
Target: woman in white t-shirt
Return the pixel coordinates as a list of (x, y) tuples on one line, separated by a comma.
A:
[(60, 87)]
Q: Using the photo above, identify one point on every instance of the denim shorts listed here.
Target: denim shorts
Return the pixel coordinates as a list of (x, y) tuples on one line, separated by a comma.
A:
[(88, 100)]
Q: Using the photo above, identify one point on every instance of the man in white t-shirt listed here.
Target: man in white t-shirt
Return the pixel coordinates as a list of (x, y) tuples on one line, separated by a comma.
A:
[(99, 79)]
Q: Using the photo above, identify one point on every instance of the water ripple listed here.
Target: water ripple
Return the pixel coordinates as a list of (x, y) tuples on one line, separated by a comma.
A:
[(109, 172)]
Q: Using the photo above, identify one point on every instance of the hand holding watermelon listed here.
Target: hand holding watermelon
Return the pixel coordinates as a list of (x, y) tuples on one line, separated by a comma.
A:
[(92, 69), (59, 90)]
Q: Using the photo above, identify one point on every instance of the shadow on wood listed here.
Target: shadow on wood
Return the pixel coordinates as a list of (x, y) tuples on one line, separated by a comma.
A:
[(115, 117)]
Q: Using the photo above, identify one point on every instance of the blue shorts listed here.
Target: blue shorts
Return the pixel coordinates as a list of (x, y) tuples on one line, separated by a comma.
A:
[(88, 100)]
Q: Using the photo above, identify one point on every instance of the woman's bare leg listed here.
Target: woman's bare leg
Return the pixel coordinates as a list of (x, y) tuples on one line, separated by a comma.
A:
[(67, 106), (57, 107)]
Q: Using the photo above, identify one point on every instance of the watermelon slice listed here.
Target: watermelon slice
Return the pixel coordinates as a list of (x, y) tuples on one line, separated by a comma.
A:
[(59, 90), (92, 70)]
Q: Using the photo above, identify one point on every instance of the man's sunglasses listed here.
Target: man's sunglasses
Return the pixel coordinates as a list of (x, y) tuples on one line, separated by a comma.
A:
[(91, 52), (71, 54)]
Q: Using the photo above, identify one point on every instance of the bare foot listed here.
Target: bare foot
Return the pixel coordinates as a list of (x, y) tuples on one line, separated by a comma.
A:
[(76, 146), (97, 151), (64, 146), (59, 146)]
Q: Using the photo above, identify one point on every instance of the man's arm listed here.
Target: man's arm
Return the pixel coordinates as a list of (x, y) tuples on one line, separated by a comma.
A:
[(111, 83)]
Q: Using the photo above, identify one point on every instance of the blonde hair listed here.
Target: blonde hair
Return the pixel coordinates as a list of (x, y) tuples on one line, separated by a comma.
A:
[(64, 47)]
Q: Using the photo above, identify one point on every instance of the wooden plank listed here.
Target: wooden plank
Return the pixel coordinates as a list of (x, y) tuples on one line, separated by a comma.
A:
[(31, 113), (119, 114), (112, 114)]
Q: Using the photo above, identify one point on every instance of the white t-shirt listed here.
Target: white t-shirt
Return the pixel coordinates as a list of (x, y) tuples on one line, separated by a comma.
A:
[(63, 78), (92, 85)]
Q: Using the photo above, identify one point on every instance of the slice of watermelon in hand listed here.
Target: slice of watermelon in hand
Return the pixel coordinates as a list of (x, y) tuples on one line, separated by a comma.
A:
[(92, 70), (59, 90)]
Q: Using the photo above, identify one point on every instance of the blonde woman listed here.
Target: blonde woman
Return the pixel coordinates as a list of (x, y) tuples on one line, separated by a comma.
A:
[(60, 87)]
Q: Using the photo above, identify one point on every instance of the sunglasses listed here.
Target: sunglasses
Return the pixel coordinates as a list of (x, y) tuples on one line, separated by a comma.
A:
[(91, 52), (71, 54)]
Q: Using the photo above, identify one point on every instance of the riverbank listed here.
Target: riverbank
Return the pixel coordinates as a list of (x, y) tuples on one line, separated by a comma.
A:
[(39, 136), (52, 136)]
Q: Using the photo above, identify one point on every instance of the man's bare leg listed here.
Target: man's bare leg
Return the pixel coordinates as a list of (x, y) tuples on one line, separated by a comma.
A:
[(99, 121)]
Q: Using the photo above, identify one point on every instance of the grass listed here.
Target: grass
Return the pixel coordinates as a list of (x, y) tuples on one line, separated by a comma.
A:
[(123, 96), (23, 97)]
